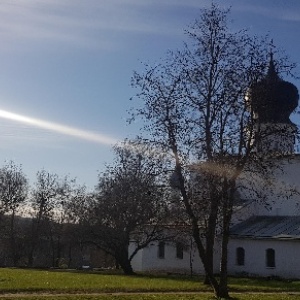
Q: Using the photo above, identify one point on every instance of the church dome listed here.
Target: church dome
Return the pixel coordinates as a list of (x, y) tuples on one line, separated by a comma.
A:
[(273, 99)]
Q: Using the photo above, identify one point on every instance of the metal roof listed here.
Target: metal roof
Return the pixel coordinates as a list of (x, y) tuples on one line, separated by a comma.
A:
[(277, 227)]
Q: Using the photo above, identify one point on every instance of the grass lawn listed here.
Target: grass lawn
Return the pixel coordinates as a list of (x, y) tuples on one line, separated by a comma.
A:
[(151, 297), (25, 280), (47, 284)]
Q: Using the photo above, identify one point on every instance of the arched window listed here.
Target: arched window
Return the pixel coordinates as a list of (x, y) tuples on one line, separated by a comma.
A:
[(179, 250), (270, 258), (161, 250), (240, 256)]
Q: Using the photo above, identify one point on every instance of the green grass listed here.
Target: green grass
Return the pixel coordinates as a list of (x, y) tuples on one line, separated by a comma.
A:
[(119, 297), (153, 297), (32, 284), (24, 280), (263, 285)]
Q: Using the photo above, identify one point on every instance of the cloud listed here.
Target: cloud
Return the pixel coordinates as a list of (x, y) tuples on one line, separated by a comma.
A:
[(90, 22), (99, 24), (293, 16), (32, 20), (283, 11)]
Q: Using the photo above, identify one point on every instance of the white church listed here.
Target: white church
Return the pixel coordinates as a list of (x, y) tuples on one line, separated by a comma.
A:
[(265, 235)]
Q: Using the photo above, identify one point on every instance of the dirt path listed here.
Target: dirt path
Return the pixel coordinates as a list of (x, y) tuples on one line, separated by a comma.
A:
[(24, 295), (49, 294), (35, 294)]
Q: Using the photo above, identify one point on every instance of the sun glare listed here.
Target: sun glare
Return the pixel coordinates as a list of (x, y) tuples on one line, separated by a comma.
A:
[(62, 129)]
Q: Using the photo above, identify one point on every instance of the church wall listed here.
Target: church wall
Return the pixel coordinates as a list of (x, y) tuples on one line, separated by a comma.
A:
[(148, 260), (137, 261), (278, 138), (284, 198), (287, 259), (280, 198)]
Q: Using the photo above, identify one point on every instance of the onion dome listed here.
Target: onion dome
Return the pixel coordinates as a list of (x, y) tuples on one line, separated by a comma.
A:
[(273, 99)]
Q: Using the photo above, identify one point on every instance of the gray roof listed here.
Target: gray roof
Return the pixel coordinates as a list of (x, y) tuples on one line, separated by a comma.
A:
[(277, 227)]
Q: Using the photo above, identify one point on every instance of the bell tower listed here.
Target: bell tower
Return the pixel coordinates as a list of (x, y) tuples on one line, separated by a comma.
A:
[(272, 100)]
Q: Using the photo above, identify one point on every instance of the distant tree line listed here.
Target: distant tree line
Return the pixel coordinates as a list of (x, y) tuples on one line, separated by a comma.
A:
[(57, 222)]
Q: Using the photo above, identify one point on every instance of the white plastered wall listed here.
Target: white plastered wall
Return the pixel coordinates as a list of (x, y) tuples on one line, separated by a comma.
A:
[(287, 259)]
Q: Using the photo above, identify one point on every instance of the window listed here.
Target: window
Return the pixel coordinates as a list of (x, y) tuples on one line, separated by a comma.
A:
[(240, 256), (179, 250), (161, 250), (270, 258)]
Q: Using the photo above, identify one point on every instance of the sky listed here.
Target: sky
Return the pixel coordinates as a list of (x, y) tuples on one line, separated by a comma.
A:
[(66, 66)]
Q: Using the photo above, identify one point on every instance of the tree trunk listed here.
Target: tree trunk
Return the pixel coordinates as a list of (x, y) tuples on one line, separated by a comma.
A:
[(31, 251), (13, 239), (30, 257), (124, 262), (209, 260), (126, 267), (58, 253), (202, 254), (223, 284), (194, 222), (35, 232), (33, 243), (52, 245), (70, 259), (211, 233), (228, 194), (209, 254)]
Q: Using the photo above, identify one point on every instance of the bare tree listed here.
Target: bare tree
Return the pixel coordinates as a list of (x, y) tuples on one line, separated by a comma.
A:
[(77, 208), (77, 203), (128, 203), (194, 107), (46, 198), (13, 194)]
